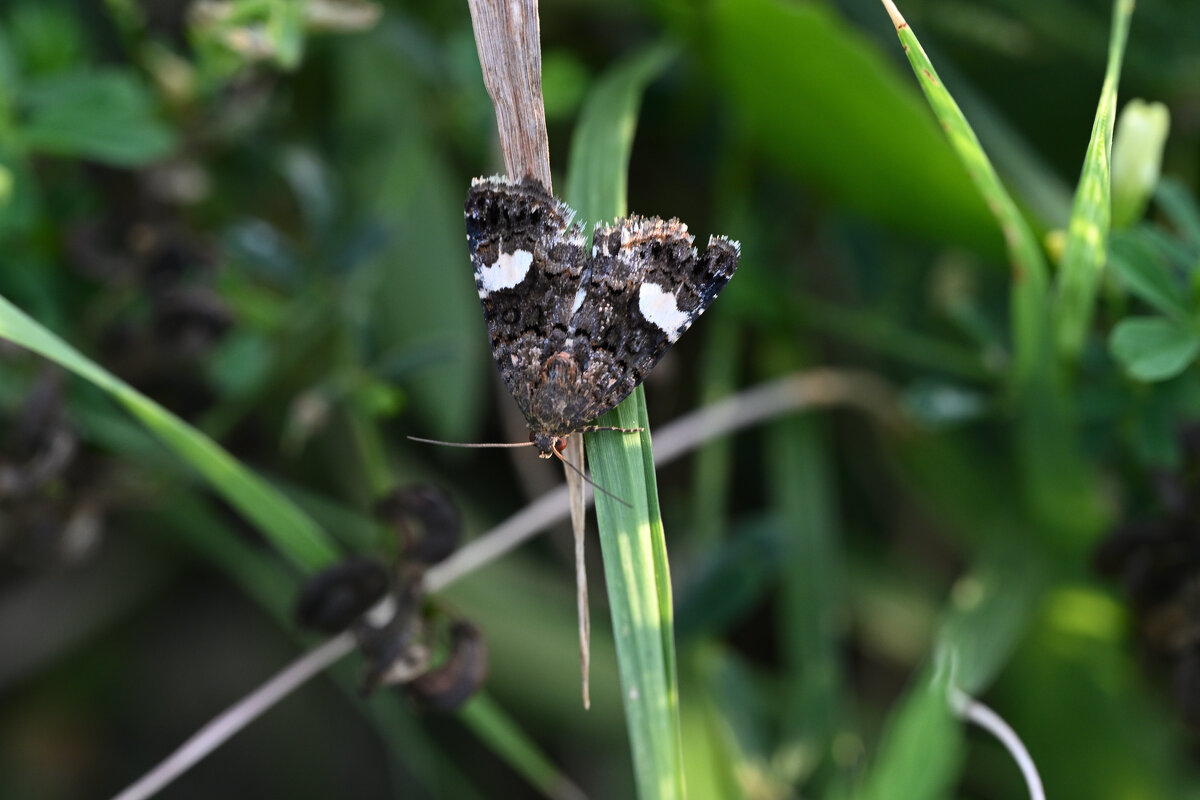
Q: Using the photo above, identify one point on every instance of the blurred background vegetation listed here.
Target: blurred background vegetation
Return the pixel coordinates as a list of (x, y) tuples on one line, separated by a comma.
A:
[(251, 211)]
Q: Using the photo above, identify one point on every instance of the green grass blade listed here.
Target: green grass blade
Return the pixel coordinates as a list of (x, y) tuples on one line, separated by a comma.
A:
[(287, 527), (989, 611), (508, 741), (631, 537), (635, 569), (1087, 235), (1060, 491), (801, 484), (597, 179), (922, 750), (1030, 281)]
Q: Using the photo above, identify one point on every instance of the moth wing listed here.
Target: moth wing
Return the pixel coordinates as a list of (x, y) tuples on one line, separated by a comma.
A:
[(528, 258), (646, 286)]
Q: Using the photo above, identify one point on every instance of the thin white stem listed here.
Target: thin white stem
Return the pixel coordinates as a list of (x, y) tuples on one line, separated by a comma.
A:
[(239, 716), (818, 388), (972, 710), (805, 391), (894, 13)]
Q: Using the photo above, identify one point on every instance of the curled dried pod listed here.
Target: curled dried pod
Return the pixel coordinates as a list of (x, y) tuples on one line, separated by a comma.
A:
[(336, 597), (395, 651), (427, 520), (458, 678)]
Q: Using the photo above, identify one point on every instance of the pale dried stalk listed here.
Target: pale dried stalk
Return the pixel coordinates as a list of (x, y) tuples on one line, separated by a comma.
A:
[(575, 489), (972, 710), (510, 55)]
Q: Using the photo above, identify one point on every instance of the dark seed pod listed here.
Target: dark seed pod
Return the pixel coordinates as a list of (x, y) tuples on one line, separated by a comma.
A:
[(427, 520), (395, 652), (333, 599), (394, 658), (191, 320), (448, 686)]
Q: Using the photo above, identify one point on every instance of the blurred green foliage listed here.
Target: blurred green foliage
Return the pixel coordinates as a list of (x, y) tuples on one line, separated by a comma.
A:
[(249, 212)]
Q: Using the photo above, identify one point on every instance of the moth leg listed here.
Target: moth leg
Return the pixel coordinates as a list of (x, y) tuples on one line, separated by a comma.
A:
[(594, 428)]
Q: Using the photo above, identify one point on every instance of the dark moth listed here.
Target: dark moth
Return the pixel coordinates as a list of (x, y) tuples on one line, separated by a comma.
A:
[(573, 332)]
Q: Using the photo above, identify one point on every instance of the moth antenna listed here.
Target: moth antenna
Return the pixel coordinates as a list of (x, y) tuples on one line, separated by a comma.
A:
[(594, 485), (470, 444)]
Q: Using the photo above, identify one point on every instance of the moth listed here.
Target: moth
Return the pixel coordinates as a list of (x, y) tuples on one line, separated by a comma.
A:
[(574, 332)]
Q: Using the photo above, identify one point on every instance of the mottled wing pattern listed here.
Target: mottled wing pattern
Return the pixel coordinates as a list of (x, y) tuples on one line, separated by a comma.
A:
[(646, 285), (528, 260)]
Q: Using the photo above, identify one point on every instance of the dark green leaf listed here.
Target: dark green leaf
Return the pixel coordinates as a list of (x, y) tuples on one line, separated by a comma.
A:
[(1141, 269), (1179, 206), (104, 115), (733, 577), (804, 85)]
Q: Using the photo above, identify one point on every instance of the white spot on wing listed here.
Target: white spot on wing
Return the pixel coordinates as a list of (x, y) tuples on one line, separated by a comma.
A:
[(579, 297), (660, 309), (509, 270)]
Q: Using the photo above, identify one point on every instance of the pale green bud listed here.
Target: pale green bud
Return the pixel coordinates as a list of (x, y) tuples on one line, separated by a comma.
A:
[(1137, 159)]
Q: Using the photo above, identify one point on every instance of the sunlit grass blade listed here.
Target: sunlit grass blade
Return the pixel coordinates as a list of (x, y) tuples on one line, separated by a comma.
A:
[(1083, 255), (1030, 280), (285, 525), (1059, 490), (990, 608), (631, 536), (921, 753)]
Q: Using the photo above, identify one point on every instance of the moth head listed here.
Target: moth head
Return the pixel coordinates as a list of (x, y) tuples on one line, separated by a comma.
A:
[(547, 444)]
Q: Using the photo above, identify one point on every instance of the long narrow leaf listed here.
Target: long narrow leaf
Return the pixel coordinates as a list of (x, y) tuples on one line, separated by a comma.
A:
[(1029, 274), (1059, 490), (1087, 235), (801, 483), (510, 742), (631, 536), (285, 525), (921, 753)]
